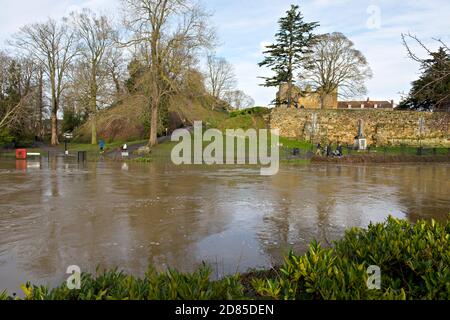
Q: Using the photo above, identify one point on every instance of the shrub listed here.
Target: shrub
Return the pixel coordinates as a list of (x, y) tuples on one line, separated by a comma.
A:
[(257, 111), (169, 285), (414, 262)]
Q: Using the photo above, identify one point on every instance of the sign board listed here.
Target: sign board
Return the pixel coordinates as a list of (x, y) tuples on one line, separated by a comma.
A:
[(68, 135)]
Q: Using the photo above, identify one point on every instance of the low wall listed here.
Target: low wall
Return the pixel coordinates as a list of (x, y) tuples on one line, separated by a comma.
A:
[(381, 127)]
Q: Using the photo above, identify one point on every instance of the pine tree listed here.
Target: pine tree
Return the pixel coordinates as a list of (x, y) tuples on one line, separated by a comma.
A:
[(433, 87), (293, 43)]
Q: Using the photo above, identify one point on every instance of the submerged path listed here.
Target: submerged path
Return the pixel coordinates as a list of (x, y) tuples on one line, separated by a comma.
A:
[(116, 154)]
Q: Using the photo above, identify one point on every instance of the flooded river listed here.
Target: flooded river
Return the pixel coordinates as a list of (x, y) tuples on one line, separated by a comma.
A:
[(56, 214)]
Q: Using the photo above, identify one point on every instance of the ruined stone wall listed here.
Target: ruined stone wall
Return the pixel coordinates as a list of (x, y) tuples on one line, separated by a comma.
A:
[(308, 99), (381, 127), (311, 100)]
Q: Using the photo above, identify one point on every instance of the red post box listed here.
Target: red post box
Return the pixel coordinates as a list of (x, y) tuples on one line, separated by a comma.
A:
[(21, 154)]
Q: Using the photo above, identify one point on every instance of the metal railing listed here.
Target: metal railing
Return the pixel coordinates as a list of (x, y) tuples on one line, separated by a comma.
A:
[(349, 150)]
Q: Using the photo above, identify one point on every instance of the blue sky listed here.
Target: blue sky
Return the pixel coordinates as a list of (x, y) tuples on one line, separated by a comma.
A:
[(245, 26)]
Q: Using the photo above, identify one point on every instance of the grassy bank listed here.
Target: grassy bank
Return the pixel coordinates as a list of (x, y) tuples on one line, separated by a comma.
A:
[(382, 158), (73, 148), (414, 261)]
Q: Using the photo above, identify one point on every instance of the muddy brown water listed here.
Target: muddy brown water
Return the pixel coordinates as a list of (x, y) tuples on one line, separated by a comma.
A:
[(56, 214)]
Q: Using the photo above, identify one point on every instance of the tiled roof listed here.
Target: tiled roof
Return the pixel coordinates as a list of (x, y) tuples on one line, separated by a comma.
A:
[(366, 104)]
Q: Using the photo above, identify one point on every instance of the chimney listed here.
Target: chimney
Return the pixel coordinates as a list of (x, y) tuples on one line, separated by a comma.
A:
[(392, 102), (368, 99)]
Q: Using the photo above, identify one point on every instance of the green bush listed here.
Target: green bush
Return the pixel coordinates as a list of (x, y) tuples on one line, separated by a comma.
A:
[(256, 111), (414, 263), (5, 137), (170, 285)]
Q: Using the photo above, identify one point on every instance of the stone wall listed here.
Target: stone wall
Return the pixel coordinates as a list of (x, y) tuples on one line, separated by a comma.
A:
[(381, 127)]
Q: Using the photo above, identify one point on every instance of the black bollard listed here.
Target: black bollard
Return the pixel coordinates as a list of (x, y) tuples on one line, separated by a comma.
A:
[(82, 156)]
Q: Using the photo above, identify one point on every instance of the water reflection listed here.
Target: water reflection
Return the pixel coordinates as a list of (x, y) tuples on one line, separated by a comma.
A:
[(136, 215)]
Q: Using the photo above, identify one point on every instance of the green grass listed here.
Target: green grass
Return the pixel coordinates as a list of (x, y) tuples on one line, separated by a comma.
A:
[(256, 111), (408, 150), (12, 154), (397, 150), (244, 122), (293, 143), (75, 147)]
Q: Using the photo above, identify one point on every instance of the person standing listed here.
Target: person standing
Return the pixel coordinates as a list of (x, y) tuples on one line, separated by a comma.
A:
[(319, 150), (340, 150), (329, 150)]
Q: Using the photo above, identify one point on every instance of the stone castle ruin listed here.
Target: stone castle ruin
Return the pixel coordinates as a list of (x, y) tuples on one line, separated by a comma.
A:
[(310, 99), (340, 120)]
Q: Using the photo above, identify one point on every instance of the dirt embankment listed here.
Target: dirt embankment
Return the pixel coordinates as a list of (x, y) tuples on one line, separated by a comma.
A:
[(380, 158)]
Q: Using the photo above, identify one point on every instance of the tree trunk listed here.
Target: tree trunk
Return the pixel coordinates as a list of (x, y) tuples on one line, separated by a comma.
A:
[(55, 140), (55, 106), (289, 94), (116, 84), (93, 108), (40, 129), (156, 70), (154, 126), (94, 129)]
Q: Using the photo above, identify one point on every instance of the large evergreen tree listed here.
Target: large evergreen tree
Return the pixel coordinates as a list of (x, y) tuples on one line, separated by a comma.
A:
[(432, 90), (289, 53)]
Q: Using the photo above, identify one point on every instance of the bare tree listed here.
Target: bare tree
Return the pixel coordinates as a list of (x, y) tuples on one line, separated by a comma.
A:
[(115, 68), (96, 38), (335, 65), (18, 95), (239, 100), (172, 31), (5, 60), (53, 46), (13, 114), (220, 77), (40, 108)]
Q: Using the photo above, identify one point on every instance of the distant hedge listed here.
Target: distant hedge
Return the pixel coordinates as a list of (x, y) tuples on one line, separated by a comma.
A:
[(414, 262), (257, 111)]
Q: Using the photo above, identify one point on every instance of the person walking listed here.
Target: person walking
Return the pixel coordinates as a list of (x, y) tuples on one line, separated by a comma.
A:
[(101, 144)]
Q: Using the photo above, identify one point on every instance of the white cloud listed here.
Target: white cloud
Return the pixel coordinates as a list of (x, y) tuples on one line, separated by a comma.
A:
[(16, 13)]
